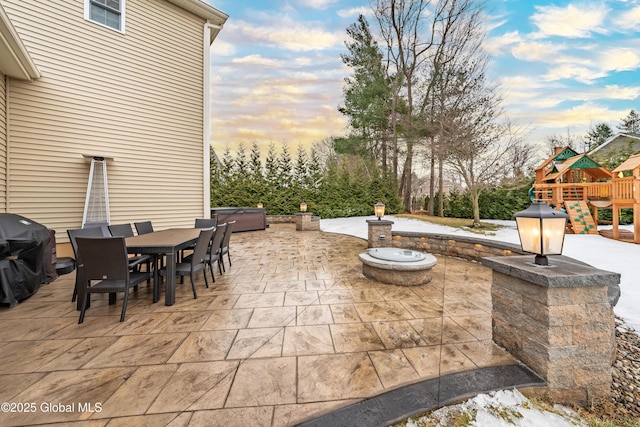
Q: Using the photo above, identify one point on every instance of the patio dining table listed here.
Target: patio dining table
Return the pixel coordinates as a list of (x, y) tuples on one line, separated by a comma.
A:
[(168, 242)]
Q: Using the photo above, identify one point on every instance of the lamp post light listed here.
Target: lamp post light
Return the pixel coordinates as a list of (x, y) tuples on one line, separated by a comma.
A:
[(260, 205), (378, 208), (303, 207), (541, 230)]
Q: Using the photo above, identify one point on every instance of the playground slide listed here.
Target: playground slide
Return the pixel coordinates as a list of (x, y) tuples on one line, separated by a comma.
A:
[(580, 217)]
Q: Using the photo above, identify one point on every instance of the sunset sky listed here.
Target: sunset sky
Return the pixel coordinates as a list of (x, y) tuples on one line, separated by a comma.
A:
[(563, 66)]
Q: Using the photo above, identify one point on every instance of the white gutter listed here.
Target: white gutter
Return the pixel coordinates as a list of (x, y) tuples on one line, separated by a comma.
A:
[(16, 61), (206, 143)]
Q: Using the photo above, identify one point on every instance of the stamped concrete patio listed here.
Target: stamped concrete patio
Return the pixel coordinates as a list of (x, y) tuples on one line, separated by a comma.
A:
[(291, 331)]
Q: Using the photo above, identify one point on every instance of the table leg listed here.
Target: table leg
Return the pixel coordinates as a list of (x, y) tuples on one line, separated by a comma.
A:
[(170, 285), (156, 278)]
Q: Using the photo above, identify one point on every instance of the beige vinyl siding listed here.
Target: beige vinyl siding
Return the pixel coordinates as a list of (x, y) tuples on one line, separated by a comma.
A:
[(136, 97), (3, 143)]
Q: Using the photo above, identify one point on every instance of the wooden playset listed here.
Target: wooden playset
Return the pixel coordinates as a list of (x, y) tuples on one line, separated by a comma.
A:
[(580, 185)]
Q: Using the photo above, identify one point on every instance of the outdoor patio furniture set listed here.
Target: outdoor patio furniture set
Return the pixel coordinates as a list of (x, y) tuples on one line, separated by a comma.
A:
[(110, 259)]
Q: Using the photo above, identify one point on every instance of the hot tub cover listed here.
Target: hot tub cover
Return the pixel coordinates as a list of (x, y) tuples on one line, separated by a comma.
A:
[(22, 245)]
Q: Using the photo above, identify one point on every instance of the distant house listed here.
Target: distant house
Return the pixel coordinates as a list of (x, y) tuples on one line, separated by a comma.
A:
[(123, 79), (617, 148)]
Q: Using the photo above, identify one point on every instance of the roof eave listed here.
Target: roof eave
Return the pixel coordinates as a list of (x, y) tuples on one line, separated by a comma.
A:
[(15, 60), (203, 10), (613, 138)]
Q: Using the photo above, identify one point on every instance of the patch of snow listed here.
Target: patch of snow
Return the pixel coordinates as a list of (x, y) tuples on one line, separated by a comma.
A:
[(503, 408)]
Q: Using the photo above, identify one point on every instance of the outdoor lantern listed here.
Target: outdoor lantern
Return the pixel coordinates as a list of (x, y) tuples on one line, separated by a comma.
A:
[(260, 205), (303, 207), (541, 230), (378, 208)]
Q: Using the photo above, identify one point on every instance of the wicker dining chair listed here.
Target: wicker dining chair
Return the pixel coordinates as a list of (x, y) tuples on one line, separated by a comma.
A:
[(206, 222), (82, 232), (144, 227), (199, 223), (196, 262), (224, 246), (103, 267), (213, 254), (135, 261)]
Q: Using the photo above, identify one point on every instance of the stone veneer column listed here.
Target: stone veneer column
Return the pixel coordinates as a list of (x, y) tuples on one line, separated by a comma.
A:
[(379, 233), (305, 221), (558, 321)]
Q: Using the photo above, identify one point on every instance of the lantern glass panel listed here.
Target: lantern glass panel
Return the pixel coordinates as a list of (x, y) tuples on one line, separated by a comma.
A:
[(553, 235), (529, 231)]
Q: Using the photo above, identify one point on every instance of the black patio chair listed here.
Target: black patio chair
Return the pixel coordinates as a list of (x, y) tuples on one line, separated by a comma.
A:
[(213, 254), (195, 262), (206, 222), (144, 227), (103, 226), (224, 246), (199, 223), (103, 267), (82, 232), (135, 261), (121, 230)]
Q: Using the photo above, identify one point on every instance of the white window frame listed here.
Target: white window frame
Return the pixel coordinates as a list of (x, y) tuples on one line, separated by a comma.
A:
[(123, 8)]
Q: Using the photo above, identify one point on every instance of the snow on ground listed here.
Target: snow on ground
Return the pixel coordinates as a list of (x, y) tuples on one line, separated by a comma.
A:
[(504, 408), (600, 252)]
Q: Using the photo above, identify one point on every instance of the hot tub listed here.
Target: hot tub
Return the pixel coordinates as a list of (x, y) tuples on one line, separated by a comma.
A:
[(247, 219)]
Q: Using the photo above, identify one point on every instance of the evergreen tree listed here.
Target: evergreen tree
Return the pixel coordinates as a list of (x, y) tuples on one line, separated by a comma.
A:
[(271, 180), (258, 185), (286, 194), (271, 166), (215, 177), (314, 174), (228, 163), (301, 168), (367, 94), (285, 167), (631, 123), (256, 165), (343, 186), (241, 168), (597, 136)]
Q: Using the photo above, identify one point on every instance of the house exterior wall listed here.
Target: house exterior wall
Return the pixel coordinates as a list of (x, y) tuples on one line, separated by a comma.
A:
[(3, 143), (625, 144), (136, 97)]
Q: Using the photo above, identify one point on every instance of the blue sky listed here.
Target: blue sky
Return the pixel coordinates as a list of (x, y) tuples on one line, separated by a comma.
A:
[(563, 66)]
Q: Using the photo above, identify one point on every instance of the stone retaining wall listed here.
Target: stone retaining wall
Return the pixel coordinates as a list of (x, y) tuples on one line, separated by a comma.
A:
[(281, 219), (470, 248)]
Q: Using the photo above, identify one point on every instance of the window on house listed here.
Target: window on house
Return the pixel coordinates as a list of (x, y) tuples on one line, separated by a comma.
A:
[(109, 13)]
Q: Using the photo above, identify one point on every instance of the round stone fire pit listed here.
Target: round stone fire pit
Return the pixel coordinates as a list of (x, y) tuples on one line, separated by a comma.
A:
[(395, 266)]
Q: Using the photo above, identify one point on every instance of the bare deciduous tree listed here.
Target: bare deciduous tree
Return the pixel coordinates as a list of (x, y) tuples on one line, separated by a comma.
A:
[(484, 141), (422, 37)]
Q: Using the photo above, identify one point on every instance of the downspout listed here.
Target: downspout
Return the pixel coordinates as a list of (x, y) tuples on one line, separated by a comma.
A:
[(207, 40), (7, 133)]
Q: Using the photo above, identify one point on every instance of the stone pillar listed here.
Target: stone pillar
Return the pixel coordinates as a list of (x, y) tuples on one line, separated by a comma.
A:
[(379, 233), (558, 321), (305, 221)]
